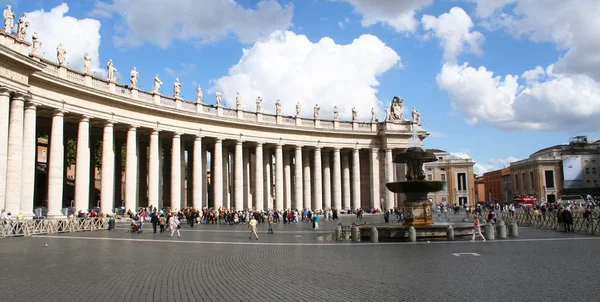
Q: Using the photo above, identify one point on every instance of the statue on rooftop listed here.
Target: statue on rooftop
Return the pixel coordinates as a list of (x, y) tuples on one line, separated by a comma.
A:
[(396, 109), (133, 77), (336, 113), (373, 116), (36, 43), (110, 71), (61, 54), (22, 27), (87, 64), (416, 116), (354, 114), (199, 95), (316, 114), (177, 89), (278, 107), (218, 98), (298, 109), (238, 101), (9, 20), (258, 104), (157, 83)]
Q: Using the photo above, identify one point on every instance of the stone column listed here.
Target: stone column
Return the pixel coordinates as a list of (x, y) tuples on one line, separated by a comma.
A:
[(198, 166), (318, 181), (131, 171), (375, 178), (268, 182), (287, 181), (246, 179), (389, 177), (346, 197), (93, 196), (239, 176), (356, 203), (225, 179), (326, 179), (279, 177), (188, 176), (154, 170), (107, 193), (4, 119), (15, 156), (143, 174), (118, 190), (337, 179), (56, 166), (216, 176), (306, 180), (82, 166), (166, 165), (204, 177), (258, 178), (298, 179), (176, 172), (29, 159)]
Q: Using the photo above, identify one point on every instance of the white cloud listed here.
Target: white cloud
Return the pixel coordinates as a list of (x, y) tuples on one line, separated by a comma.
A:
[(160, 22), (400, 15), (553, 101), (453, 29), (183, 70), (490, 165), (77, 36), (289, 67), (573, 28)]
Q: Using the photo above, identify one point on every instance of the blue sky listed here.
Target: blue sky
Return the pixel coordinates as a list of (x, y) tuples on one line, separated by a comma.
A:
[(441, 57)]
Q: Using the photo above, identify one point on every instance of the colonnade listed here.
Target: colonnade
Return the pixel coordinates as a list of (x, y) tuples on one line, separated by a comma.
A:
[(244, 174)]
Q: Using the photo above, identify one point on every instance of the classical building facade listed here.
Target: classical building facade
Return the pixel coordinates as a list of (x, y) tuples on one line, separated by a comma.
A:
[(494, 189), (538, 176), (255, 159), (458, 175)]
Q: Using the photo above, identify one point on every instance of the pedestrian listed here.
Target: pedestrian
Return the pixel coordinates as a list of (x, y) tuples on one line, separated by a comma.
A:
[(316, 222), (154, 220), (252, 225), (175, 226), (162, 220), (270, 220), (476, 228)]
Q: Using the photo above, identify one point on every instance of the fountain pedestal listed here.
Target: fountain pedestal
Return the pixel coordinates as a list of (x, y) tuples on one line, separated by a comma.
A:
[(417, 213)]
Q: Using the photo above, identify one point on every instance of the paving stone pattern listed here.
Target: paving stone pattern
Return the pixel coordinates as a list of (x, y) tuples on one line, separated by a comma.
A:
[(119, 266)]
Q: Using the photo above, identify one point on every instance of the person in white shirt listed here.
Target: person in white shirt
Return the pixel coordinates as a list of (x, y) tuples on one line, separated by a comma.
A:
[(174, 224), (252, 225)]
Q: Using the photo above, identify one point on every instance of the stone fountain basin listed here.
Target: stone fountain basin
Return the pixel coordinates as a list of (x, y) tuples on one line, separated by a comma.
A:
[(415, 186)]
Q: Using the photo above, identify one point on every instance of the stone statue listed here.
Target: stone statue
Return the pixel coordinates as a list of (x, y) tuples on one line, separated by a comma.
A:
[(373, 116), (199, 96), (218, 98), (9, 20), (336, 113), (238, 101), (87, 64), (36, 43), (133, 77), (61, 54), (177, 89), (396, 109), (298, 109), (111, 71), (258, 104), (416, 116), (316, 114), (354, 114), (278, 107), (22, 27), (157, 83)]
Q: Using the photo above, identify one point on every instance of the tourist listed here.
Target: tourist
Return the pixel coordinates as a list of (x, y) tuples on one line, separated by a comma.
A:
[(316, 222), (162, 221), (175, 227), (270, 220), (154, 220), (476, 228), (252, 225)]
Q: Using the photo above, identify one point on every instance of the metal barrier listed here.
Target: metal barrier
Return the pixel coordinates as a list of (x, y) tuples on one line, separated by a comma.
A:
[(51, 226), (589, 225)]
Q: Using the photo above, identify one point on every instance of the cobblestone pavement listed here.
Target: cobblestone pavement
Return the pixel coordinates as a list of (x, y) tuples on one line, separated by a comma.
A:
[(220, 263)]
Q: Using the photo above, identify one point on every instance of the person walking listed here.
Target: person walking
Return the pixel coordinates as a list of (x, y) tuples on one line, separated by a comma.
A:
[(476, 228), (270, 220), (154, 220), (174, 224), (316, 221), (252, 225), (162, 221)]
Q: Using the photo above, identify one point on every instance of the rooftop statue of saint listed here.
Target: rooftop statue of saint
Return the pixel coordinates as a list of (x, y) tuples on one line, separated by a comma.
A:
[(278, 107), (199, 95), (177, 89), (298, 109), (238, 101), (22, 27), (354, 114), (9, 20), (336, 113), (373, 116), (258, 104), (87, 64), (316, 114), (133, 77), (157, 83), (111, 71), (218, 98), (61, 54), (416, 116), (36, 43), (395, 112)]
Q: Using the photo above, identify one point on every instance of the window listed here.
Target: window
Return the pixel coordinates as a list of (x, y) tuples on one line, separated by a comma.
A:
[(532, 179), (462, 181), (517, 182), (549, 178), (429, 169), (586, 160), (443, 177), (443, 199), (442, 169), (594, 171), (595, 181), (429, 177), (593, 160), (588, 181), (524, 181), (587, 171)]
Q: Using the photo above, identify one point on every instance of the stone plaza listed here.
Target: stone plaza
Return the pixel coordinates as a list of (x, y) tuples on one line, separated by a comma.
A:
[(296, 263)]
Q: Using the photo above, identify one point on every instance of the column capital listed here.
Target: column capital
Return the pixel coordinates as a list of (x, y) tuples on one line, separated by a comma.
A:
[(298, 147), (279, 146), (5, 91), (109, 124), (337, 149), (259, 144), (318, 148), (133, 127), (198, 138), (219, 140), (375, 149), (58, 112), (17, 95), (239, 142), (155, 131), (31, 106), (176, 135)]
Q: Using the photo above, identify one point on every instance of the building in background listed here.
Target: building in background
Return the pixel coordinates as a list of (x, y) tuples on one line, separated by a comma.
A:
[(580, 167), (538, 177), (494, 189), (479, 189), (458, 175)]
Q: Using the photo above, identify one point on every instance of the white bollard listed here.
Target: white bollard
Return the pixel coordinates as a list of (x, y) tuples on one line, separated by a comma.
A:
[(374, 235), (412, 234)]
